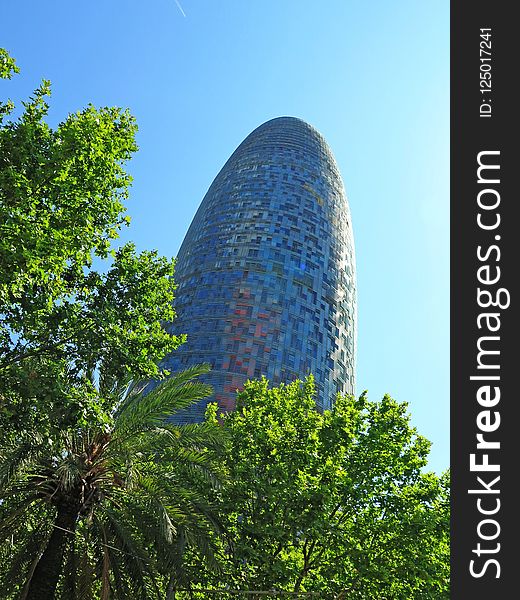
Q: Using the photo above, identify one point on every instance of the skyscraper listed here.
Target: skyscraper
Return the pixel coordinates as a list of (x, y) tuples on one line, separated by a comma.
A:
[(266, 272)]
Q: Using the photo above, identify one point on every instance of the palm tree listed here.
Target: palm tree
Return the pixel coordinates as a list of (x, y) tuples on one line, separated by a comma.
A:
[(104, 510)]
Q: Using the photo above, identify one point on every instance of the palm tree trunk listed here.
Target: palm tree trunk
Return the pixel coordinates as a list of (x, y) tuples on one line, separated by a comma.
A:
[(48, 570)]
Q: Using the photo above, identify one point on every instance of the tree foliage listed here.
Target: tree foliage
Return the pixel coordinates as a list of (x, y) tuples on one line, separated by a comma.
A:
[(7, 65), (61, 207), (336, 503)]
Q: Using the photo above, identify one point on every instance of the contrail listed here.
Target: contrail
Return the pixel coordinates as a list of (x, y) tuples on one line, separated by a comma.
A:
[(180, 7)]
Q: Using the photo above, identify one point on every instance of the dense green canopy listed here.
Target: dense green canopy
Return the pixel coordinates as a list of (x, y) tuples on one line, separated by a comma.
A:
[(335, 503)]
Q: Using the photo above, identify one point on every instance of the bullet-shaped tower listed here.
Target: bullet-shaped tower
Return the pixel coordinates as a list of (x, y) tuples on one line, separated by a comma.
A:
[(266, 273)]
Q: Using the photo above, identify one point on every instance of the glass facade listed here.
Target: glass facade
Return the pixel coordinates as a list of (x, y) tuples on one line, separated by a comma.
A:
[(266, 273)]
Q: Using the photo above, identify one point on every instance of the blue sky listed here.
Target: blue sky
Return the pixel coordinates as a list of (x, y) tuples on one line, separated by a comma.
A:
[(372, 77)]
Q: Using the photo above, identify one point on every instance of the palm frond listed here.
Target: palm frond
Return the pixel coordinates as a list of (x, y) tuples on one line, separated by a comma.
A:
[(201, 434), (13, 516), (152, 409), (133, 556), (24, 556), (14, 460), (85, 576), (120, 586)]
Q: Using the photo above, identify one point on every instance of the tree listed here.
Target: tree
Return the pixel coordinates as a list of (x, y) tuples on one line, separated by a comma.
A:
[(105, 501), (61, 206), (335, 503)]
